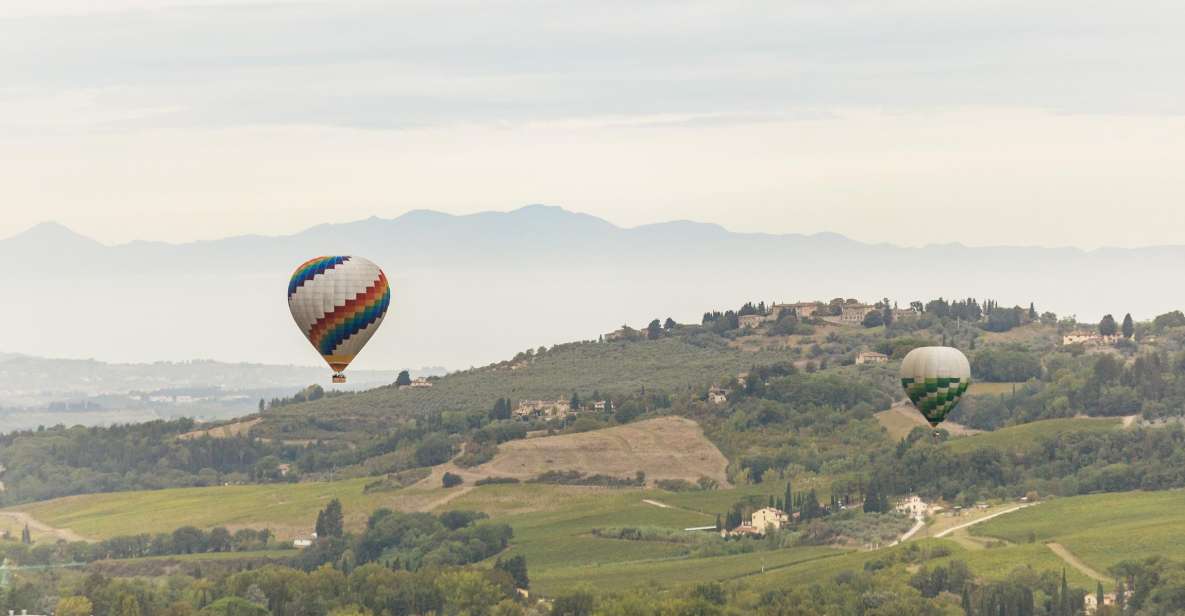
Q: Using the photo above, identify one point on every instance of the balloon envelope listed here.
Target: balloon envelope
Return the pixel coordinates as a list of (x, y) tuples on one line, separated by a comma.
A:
[(338, 303), (935, 378)]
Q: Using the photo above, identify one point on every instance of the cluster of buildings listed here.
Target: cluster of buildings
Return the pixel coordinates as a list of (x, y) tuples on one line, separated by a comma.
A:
[(760, 522), (417, 383), (850, 314), (1090, 338), (528, 410), (1090, 602), (916, 508)]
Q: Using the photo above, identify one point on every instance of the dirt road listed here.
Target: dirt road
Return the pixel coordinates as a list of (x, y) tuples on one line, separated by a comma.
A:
[(23, 519), (1074, 562)]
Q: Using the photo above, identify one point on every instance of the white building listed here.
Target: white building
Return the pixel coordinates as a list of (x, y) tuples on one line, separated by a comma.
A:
[(915, 507)]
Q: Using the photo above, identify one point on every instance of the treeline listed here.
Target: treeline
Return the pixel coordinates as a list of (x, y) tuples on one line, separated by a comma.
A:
[(406, 541), (274, 590), (1152, 384), (1066, 464), (185, 540), (59, 461)]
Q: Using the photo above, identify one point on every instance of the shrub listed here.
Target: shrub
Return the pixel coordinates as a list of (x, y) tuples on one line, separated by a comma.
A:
[(489, 481), (450, 480)]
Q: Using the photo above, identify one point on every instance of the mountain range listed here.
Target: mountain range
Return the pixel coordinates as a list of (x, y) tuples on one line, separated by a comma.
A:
[(476, 288)]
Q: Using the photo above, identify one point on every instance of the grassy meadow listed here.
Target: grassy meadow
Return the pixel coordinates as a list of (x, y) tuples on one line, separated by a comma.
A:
[(1024, 435)]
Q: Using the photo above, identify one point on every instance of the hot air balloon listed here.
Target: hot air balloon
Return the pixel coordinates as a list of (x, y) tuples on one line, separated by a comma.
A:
[(935, 378), (338, 303)]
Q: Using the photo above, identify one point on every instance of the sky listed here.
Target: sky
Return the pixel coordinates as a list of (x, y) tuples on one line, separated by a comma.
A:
[(1052, 124)]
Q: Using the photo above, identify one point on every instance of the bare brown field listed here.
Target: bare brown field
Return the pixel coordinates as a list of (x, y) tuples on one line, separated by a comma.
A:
[(238, 428), (663, 448)]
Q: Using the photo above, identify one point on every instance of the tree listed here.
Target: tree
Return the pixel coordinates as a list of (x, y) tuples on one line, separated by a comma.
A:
[(434, 449), (403, 380), (1107, 326), (654, 330), (579, 603), (516, 566), (189, 540), (330, 522), (575, 402), (26, 536), (1099, 595), (127, 605), (262, 405), (872, 499), (501, 409), (219, 540), (1129, 327), (74, 606), (669, 324), (450, 480), (966, 600), (874, 319)]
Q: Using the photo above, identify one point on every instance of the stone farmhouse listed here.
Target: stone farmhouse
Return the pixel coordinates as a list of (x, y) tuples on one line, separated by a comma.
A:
[(802, 310), (770, 517), (717, 395), (751, 320), (855, 313), (760, 522), (871, 357)]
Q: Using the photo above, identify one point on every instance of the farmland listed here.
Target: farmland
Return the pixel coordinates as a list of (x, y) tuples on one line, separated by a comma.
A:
[(1101, 529), (1025, 435)]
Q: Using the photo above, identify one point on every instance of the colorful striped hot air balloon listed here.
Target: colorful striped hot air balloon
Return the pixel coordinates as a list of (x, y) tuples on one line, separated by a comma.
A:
[(935, 378), (338, 303)]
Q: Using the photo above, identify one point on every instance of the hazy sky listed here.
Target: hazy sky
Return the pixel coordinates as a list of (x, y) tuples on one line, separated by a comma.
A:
[(1050, 123)]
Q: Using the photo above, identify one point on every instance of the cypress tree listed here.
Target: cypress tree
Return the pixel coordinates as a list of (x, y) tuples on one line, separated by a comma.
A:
[(26, 536), (966, 600)]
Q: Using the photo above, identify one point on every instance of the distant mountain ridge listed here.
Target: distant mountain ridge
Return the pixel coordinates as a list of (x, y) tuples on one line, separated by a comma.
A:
[(471, 289)]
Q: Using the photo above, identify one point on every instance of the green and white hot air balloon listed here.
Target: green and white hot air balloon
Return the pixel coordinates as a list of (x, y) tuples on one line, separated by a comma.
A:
[(935, 379)]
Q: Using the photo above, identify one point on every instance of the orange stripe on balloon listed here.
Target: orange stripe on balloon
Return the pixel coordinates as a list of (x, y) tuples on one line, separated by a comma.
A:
[(347, 310)]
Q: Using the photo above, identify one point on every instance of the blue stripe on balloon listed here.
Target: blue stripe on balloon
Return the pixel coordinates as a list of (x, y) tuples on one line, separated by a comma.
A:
[(312, 270)]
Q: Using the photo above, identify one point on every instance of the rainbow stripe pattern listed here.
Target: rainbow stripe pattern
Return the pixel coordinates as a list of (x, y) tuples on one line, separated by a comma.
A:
[(338, 302)]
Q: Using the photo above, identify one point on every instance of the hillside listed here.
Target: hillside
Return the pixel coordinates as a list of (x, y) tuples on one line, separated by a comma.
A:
[(675, 365)]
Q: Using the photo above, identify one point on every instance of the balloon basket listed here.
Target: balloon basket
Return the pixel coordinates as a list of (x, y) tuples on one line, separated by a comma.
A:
[(339, 377)]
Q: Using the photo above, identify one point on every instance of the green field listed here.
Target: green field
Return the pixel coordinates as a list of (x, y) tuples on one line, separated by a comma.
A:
[(288, 509), (1101, 529), (1025, 435), (674, 572), (980, 388)]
